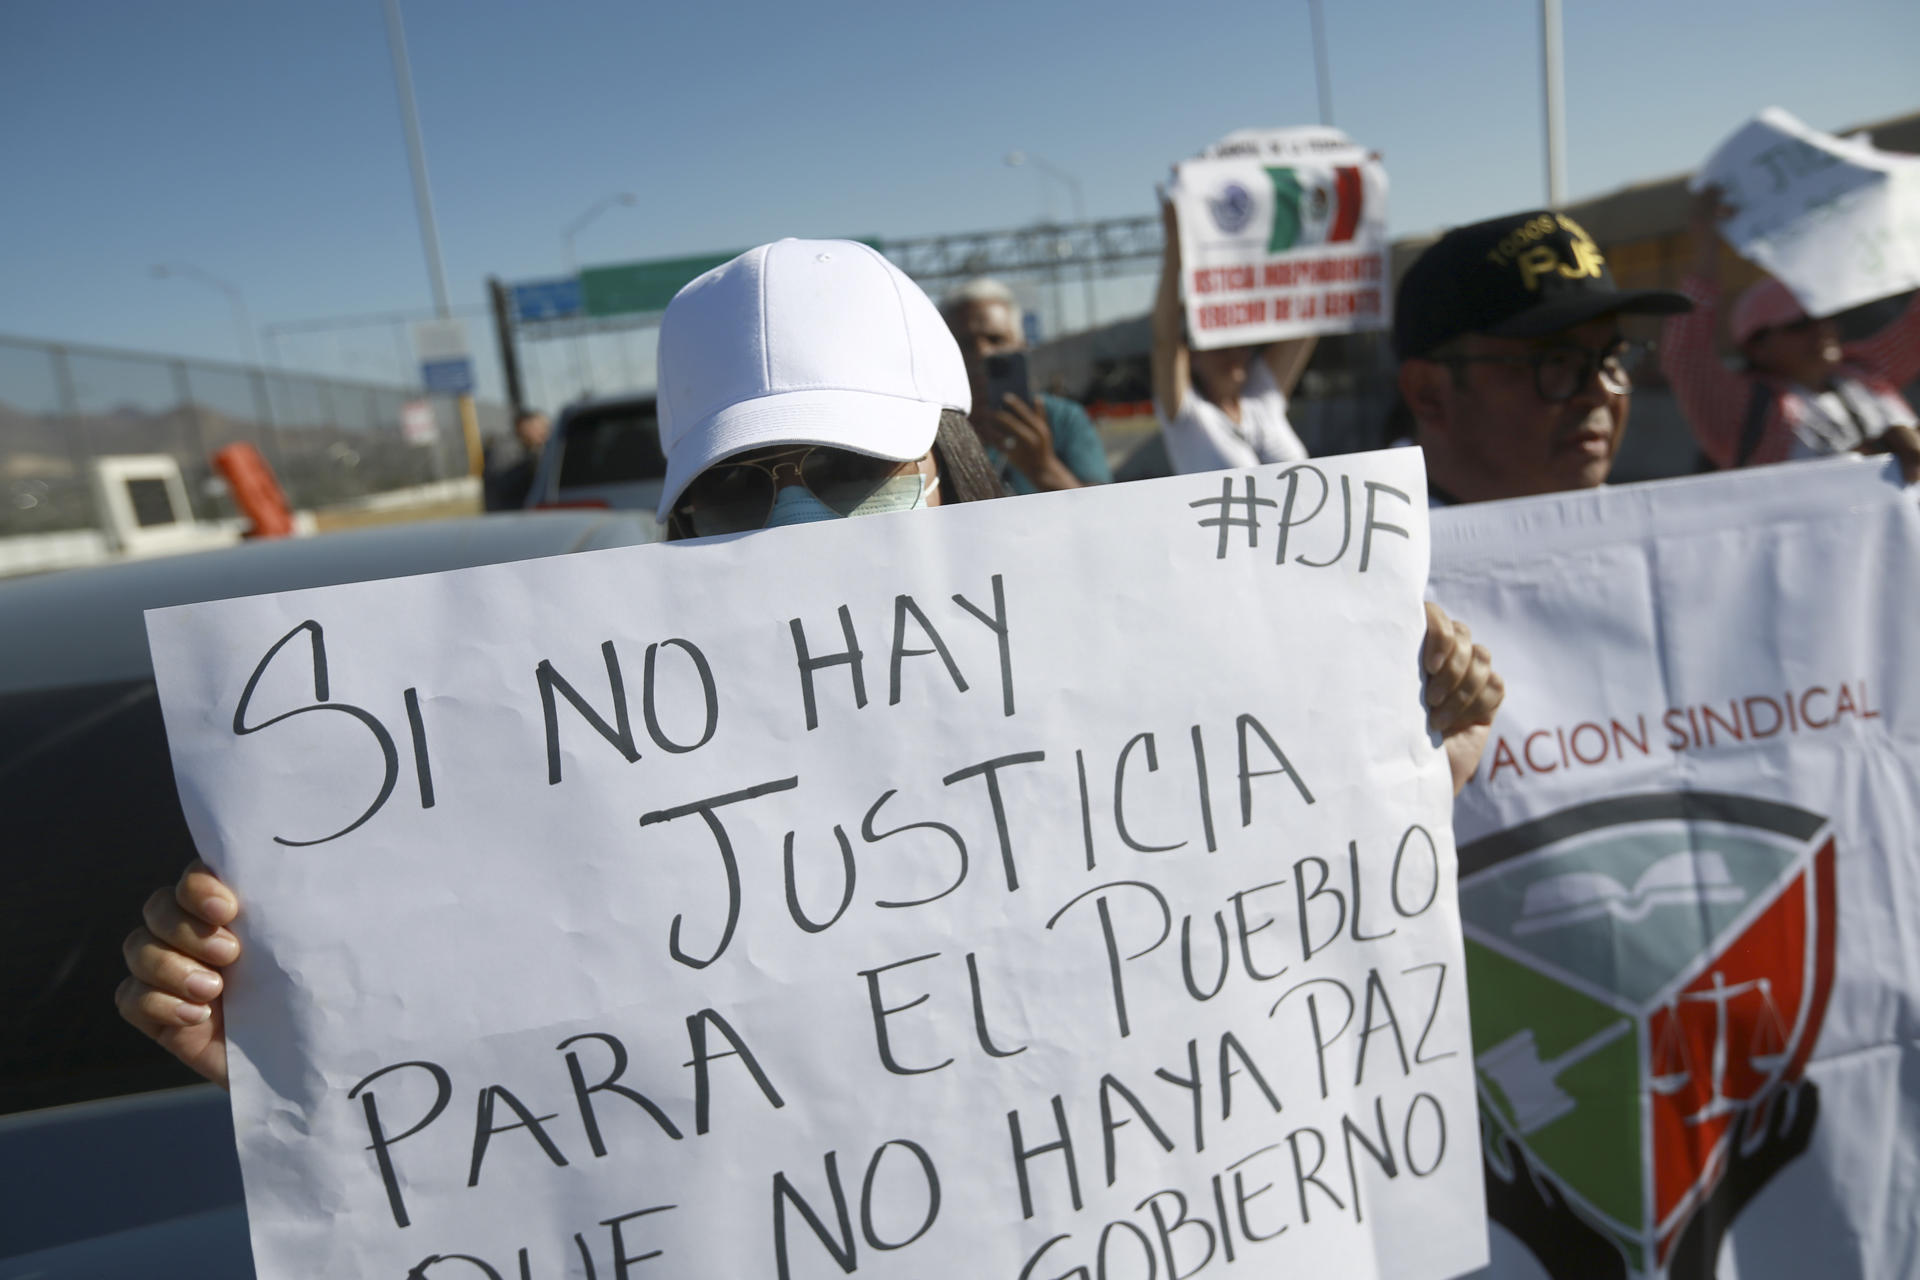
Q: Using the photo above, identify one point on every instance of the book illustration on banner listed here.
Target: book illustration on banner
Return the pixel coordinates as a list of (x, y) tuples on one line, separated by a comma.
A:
[(1649, 975)]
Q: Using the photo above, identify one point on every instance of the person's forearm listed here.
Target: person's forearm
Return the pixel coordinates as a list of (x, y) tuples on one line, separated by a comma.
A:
[(1169, 358)]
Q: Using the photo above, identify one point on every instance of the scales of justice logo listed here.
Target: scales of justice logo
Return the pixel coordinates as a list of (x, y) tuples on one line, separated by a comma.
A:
[(1649, 976)]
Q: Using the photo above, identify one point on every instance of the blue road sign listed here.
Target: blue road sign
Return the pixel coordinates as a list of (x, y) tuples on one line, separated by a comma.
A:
[(547, 299), (448, 377)]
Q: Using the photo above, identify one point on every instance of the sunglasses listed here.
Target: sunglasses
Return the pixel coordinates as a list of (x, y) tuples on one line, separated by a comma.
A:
[(738, 494)]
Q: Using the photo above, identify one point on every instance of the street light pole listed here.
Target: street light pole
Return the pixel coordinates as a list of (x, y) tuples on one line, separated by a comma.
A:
[(1321, 77), (416, 158), (579, 224), (242, 318), (1552, 56), (1015, 159), (584, 372), (423, 206)]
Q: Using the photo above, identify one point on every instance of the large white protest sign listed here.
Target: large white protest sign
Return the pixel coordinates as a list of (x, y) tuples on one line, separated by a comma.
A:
[(1835, 219), (1041, 888), (1687, 874), (1283, 233)]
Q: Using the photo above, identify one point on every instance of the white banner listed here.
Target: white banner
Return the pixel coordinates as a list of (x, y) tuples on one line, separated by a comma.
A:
[(1835, 219), (1283, 233), (1036, 888), (1688, 878)]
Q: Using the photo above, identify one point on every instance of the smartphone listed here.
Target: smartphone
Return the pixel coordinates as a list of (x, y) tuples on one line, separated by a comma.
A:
[(1007, 373)]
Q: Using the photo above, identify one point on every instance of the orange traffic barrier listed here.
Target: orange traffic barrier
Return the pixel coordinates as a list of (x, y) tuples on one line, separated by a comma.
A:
[(255, 491)]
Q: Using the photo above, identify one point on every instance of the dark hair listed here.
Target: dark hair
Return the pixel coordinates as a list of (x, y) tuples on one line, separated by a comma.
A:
[(965, 473), (526, 415)]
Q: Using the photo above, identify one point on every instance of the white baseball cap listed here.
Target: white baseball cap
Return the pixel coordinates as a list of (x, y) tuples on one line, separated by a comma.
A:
[(802, 342)]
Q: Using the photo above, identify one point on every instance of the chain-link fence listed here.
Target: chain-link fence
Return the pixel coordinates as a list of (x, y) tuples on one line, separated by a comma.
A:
[(328, 440)]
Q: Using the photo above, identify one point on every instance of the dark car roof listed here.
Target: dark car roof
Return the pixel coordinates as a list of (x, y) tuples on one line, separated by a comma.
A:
[(87, 626), (86, 784)]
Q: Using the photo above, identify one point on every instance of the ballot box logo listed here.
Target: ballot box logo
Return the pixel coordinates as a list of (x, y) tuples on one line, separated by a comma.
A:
[(1232, 208), (1313, 206), (1649, 974)]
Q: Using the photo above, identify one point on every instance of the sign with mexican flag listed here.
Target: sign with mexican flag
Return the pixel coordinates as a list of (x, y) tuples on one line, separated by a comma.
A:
[(1686, 875), (1283, 233)]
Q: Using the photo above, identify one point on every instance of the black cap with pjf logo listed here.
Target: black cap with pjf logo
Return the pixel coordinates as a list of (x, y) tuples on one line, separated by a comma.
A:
[(1521, 276)]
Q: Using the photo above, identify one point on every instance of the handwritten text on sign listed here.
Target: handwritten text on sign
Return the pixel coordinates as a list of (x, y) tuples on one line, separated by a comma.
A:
[(1836, 219), (1282, 233), (1060, 887)]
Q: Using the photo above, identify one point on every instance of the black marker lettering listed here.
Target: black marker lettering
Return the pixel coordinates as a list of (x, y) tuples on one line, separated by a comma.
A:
[(583, 1092), (382, 1144), (996, 622), (903, 606), (697, 1038), (710, 701), (389, 755), (1119, 794), (1374, 490), (707, 809), (1023, 1153), (850, 658), (880, 1010), (619, 733), (990, 770), (484, 1128)]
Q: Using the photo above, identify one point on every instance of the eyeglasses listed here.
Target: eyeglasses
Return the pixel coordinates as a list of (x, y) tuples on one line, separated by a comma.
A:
[(738, 494), (1559, 373)]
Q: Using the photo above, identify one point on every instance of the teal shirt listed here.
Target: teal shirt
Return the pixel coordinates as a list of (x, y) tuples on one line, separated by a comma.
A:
[(1075, 443)]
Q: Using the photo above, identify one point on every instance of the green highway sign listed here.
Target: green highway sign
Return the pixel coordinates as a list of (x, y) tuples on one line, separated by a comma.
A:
[(645, 287)]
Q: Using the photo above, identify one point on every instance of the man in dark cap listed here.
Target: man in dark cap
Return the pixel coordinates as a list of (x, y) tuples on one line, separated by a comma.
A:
[(1512, 365)]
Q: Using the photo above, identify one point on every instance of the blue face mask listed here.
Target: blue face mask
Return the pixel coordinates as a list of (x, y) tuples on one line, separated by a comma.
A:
[(795, 505)]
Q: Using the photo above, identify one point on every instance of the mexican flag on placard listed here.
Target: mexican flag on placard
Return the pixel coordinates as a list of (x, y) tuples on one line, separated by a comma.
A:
[(1314, 204), (1283, 233)]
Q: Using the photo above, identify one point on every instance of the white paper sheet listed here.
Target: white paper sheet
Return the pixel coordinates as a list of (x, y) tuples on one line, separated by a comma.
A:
[(511, 1008), (1835, 219), (1283, 233)]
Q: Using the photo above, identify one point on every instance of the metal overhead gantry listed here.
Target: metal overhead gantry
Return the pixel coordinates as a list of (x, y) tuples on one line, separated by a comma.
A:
[(1107, 247), (560, 309), (618, 297)]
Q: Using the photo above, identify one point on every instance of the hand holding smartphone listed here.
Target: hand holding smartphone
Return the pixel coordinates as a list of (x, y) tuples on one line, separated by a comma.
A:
[(1005, 373)]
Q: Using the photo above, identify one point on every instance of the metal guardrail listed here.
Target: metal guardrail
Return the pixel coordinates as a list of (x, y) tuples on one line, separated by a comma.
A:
[(329, 440)]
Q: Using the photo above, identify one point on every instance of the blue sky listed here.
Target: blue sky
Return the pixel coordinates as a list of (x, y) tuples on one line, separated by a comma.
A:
[(260, 140)]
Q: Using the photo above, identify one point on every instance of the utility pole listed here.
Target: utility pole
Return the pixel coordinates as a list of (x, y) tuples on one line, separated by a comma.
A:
[(1322, 78), (1552, 58), (423, 205)]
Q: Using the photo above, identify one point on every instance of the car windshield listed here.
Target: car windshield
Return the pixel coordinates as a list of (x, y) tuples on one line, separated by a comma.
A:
[(611, 447)]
